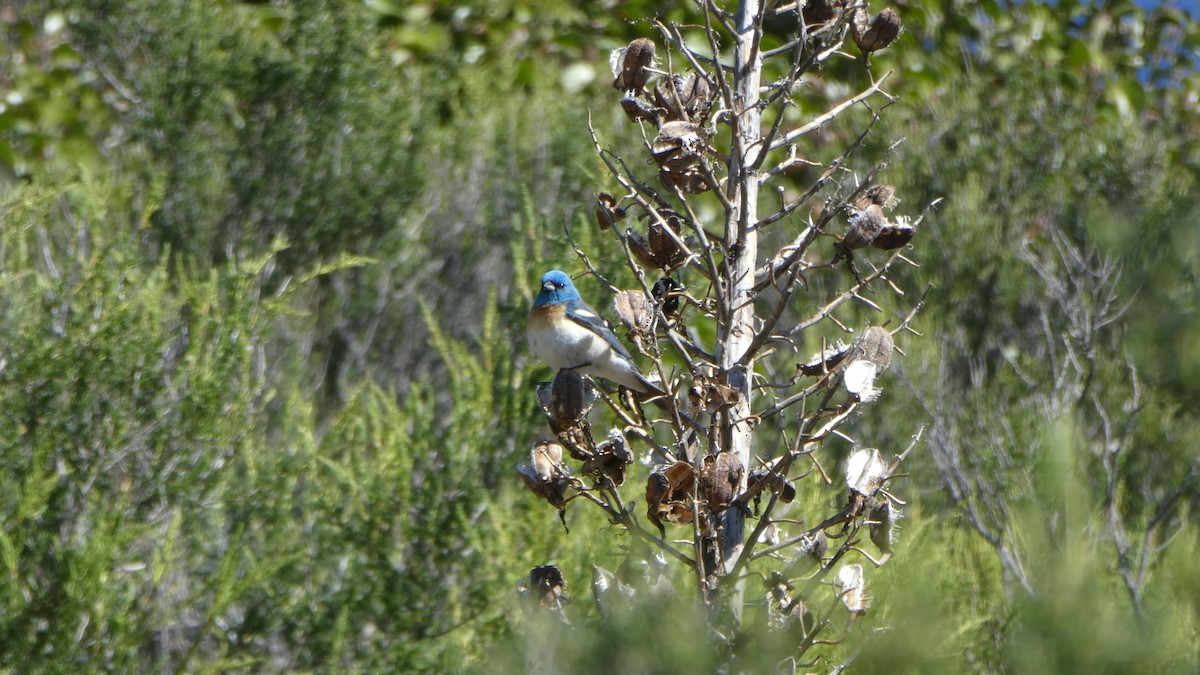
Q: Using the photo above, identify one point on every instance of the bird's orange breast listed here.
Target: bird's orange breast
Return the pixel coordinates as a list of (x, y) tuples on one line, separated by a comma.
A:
[(545, 317)]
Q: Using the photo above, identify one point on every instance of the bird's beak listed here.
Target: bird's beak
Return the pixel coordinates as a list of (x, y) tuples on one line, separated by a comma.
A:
[(548, 287)]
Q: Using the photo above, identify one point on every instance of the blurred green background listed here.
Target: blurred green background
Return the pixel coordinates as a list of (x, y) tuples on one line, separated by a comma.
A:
[(264, 268)]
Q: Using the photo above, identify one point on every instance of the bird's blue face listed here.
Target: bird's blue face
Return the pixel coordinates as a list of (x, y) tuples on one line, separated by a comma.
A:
[(556, 288)]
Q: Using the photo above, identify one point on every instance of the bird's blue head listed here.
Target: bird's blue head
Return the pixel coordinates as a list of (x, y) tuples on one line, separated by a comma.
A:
[(556, 288)]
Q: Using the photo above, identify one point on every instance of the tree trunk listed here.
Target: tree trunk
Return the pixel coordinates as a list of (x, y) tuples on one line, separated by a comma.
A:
[(741, 238)]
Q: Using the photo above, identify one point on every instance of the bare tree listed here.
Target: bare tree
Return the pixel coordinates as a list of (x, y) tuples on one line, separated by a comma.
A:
[(744, 414)]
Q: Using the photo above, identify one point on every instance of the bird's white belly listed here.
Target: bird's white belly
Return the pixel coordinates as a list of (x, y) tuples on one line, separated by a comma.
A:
[(569, 347)]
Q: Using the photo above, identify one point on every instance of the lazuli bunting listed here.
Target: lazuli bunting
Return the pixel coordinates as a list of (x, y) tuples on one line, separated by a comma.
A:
[(568, 334)]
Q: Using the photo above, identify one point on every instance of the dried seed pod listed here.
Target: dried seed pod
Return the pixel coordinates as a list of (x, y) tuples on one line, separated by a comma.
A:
[(784, 611), (641, 249), (815, 546), (608, 214), (679, 145), (634, 311), (669, 293), (710, 395), (826, 360), (691, 181), (571, 398), (566, 402), (773, 482), (817, 13), (883, 196), (883, 525), (544, 475), (577, 440), (664, 247), (609, 592), (546, 459), (546, 585), (638, 110), (865, 225), (720, 477), (854, 588), (631, 65), (866, 471), (612, 458), (668, 493), (684, 98), (895, 234), (859, 380), (876, 346), (873, 34)]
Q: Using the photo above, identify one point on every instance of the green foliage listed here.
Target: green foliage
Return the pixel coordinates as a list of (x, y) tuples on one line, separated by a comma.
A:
[(56, 107), (126, 403)]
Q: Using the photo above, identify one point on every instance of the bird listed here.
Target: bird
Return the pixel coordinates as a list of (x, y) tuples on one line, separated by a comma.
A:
[(566, 333)]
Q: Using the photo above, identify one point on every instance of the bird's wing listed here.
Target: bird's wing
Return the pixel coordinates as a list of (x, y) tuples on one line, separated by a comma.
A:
[(587, 317)]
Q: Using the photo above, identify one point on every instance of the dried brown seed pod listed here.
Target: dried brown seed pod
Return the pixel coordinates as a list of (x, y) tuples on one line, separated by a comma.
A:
[(826, 360), (873, 34), (608, 214), (664, 247), (634, 311), (895, 234), (876, 346), (637, 110), (669, 492), (577, 440), (679, 145), (816, 546), (690, 180), (710, 395), (686, 98), (817, 13), (719, 479), (544, 475), (669, 293), (612, 458), (880, 195), (774, 482), (883, 525), (566, 402), (571, 398), (641, 249), (547, 585), (631, 65), (865, 225)]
